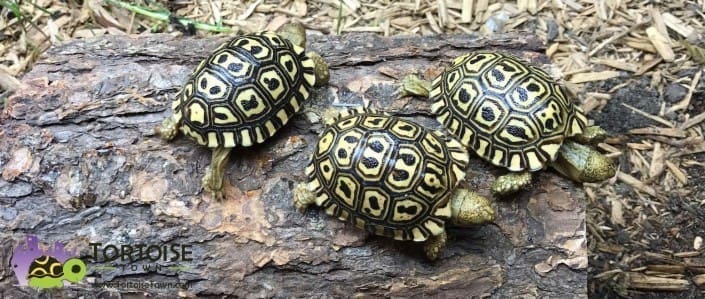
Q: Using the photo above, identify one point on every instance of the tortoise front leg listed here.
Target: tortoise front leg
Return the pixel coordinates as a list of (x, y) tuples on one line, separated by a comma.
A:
[(511, 182), (213, 179), (434, 245), (168, 129)]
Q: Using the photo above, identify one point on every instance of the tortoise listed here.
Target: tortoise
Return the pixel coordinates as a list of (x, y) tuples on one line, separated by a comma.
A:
[(515, 116), (243, 92), (391, 177), (47, 272)]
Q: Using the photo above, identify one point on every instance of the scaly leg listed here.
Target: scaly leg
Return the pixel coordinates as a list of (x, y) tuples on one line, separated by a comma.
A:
[(167, 130), (303, 197), (434, 245), (511, 182), (213, 180), (591, 135)]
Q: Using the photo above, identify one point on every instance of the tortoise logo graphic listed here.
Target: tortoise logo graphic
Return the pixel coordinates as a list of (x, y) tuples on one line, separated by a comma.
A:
[(48, 268)]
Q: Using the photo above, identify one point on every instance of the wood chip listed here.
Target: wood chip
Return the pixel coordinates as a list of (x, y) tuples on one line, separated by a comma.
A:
[(687, 254), (677, 25), (658, 156), (354, 5), (652, 117), (677, 172), (573, 5), (442, 14), (480, 8), (658, 23), (685, 102), (299, 8), (669, 132), (693, 121), (466, 16), (246, 14), (432, 23), (698, 243), (608, 148), (640, 146), (699, 280), (674, 269), (608, 273), (617, 212), (636, 184), (695, 262), (641, 45), (593, 76), (648, 65), (655, 283), (661, 43), (618, 64), (364, 29), (613, 38), (276, 23)]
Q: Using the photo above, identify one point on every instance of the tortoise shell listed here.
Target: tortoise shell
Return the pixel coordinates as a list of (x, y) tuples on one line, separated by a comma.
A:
[(509, 112), (45, 266), (244, 91), (389, 176)]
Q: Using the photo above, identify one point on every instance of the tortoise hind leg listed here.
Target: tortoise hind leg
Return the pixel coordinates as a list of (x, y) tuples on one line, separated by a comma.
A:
[(434, 245), (511, 182), (303, 197), (591, 135), (213, 179)]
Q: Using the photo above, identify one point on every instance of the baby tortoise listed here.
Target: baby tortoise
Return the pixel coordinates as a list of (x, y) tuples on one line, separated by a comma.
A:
[(514, 115), (391, 177), (243, 92)]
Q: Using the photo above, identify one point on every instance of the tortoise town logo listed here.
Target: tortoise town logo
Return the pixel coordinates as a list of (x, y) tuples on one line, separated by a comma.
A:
[(43, 269)]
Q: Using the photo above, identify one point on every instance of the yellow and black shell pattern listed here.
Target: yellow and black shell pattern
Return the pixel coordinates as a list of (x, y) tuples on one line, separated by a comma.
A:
[(509, 112), (45, 266), (389, 176), (244, 91)]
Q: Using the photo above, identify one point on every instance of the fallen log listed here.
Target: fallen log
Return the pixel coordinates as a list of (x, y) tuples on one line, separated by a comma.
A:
[(81, 165)]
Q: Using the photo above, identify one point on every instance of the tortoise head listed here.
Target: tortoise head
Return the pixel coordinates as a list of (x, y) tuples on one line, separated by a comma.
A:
[(294, 32), (469, 208)]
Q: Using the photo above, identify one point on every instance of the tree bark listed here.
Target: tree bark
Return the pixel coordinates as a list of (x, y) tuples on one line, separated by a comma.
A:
[(80, 164)]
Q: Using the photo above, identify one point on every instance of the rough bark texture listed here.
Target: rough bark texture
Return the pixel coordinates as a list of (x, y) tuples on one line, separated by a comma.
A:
[(80, 164)]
